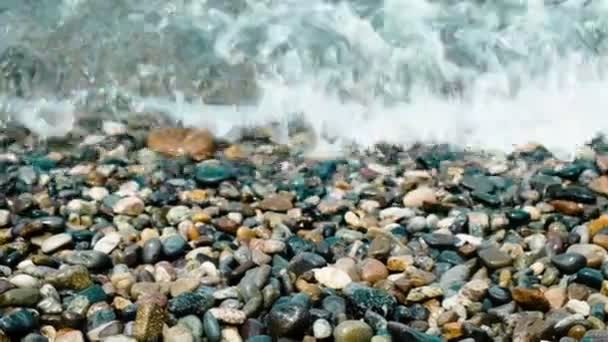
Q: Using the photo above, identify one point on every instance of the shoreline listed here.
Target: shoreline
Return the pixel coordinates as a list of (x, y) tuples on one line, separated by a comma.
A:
[(126, 232)]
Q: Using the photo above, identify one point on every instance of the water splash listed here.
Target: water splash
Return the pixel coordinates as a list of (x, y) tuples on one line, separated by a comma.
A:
[(478, 73)]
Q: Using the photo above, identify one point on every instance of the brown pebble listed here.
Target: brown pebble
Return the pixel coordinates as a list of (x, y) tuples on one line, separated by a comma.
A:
[(577, 332), (599, 185), (226, 225), (601, 240), (452, 330), (373, 270), (530, 299), (175, 142), (598, 224), (567, 207)]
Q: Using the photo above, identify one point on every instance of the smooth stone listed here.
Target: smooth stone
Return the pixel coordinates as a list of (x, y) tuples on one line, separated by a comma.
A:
[(418, 197), (107, 243), (178, 333), (276, 202), (373, 270), (70, 336), (332, 277), (178, 214), (590, 277), (90, 259), (288, 318), (105, 330), (194, 324), (402, 332), (174, 245), (494, 258), (20, 297), (184, 285), (152, 251), (499, 295), (438, 240), (212, 172), (353, 331), (94, 294), (130, 206), (530, 299), (18, 321), (569, 263), (55, 243), (578, 307), (321, 328), (24, 280), (212, 327), (594, 254), (305, 262)]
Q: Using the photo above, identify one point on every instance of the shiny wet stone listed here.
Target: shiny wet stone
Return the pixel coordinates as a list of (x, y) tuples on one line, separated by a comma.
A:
[(569, 263)]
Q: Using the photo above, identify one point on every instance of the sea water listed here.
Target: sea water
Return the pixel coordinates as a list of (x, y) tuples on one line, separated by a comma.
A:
[(484, 74)]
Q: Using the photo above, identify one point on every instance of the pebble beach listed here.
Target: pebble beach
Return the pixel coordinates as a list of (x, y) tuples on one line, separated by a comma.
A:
[(135, 233)]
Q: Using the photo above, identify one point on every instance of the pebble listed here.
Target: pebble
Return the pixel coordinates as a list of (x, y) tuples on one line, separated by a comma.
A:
[(321, 329), (108, 243), (332, 277), (353, 331), (131, 206), (494, 258), (418, 197), (55, 242)]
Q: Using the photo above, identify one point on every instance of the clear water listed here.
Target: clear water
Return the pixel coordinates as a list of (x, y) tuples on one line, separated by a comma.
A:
[(487, 74)]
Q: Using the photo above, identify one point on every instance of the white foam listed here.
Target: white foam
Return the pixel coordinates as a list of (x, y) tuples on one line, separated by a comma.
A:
[(531, 70)]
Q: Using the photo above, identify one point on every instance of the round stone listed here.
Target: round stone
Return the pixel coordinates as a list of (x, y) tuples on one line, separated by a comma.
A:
[(332, 277), (321, 328), (569, 263), (353, 331), (55, 242)]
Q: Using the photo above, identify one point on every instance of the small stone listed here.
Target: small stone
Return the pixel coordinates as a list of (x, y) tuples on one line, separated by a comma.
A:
[(184, 285), (578, 307), (288, 318), (5, 217), (131, 206), (276, 202), (18, 321), (108, 243), (175, 142), (178, 333), (556, 296), (598, 224), (174, 245), (55, 242), (332, 277), (399, 263), (70, 336), (494, 258), (530, 299), (20, 297), (148, 322), (212, 327), (353, 331), (91, 259), (178, 214), (373, 270), (321, 329), (418, 197), (71, 277), (594, 254), (305, 262), (24, 281), (569, 263), (423, 293), (599, 185), (152, 251), (190, 304), (194, 324), (229, 316), (577, 332)]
